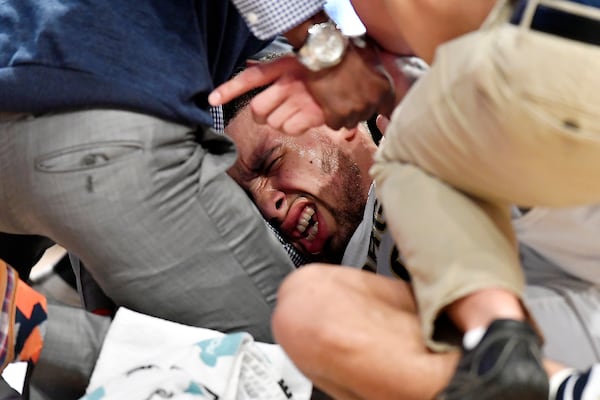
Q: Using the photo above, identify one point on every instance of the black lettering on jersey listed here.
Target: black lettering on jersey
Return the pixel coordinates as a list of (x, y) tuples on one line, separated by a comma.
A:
[(398, 268), (285, 388)]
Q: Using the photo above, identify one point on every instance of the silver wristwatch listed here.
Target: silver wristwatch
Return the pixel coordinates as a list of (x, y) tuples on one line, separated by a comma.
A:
[(324, 47)]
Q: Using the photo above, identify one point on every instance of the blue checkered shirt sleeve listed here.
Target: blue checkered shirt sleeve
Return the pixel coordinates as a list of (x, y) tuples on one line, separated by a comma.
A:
[(268, 18), (217, 115)]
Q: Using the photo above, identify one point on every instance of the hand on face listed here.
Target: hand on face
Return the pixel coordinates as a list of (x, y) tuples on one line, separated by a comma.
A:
[(310, 186), (299, 99)]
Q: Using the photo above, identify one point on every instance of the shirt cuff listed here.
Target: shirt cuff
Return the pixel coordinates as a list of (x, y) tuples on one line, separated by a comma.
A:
[(267, 19)]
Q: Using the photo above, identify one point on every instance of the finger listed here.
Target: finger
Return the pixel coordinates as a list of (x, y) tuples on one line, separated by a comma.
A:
[(309, 116), (251, 78), (382, 123), (275, 97), (281, 114)]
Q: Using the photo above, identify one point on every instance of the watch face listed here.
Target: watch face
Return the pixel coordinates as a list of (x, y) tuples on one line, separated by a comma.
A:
[(328, 46), (325, 47)]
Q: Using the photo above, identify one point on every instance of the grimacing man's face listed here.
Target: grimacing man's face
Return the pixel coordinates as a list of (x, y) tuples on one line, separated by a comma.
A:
[(312, 186)]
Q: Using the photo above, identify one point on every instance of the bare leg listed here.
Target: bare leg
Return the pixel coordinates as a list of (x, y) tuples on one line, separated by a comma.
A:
[(357, 335), (479, 309)]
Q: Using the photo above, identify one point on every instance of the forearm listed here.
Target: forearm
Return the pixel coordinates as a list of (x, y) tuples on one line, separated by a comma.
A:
[(297, 35), (420, 25)]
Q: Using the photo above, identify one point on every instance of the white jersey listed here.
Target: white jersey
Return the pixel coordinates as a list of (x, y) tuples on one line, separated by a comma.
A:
[(569, 237), (553, 241), (372, 247)]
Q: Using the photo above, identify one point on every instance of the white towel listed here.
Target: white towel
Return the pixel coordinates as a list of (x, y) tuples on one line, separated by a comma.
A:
[(149, 358)]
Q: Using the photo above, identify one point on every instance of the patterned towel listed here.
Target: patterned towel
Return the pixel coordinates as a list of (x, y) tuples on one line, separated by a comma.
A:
[(145, 358)]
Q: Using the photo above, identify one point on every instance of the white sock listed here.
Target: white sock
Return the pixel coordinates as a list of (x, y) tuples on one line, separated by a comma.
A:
[(472, 337), (577, 386), (556, 380)]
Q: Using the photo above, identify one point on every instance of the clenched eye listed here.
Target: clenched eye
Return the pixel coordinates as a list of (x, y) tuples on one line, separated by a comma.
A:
[(271, 165), (268, 161)]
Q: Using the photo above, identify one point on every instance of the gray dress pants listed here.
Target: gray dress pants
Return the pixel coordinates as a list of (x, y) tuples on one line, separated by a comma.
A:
[(147, 206)]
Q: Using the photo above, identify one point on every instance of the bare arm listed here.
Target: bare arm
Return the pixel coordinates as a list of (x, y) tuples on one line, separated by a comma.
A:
[(420, 25)]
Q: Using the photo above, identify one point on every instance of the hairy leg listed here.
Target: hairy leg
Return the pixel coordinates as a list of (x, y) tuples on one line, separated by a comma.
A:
[(357, 335)]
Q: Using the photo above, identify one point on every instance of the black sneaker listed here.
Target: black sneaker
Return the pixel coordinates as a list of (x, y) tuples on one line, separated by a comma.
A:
[(505, 365)]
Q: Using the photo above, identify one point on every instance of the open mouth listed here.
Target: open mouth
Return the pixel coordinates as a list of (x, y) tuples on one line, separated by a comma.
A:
[(307, 224)]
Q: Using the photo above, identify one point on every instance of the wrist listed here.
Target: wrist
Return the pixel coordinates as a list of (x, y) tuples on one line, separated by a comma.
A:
[(297, 36)]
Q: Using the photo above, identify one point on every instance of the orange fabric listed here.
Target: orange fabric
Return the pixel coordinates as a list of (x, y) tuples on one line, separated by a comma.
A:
[(27, 298), (32, 347), (24, 298), (10, 339), (3, 267)]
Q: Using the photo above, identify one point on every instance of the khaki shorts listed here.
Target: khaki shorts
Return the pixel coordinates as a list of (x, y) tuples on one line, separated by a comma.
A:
[(505, 115)]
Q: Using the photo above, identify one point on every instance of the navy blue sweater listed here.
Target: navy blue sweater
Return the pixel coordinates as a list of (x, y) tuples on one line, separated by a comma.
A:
[(160, 57)]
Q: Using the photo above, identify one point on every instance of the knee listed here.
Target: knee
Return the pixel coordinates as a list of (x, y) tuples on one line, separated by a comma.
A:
[(299, 295), (305, 300)]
